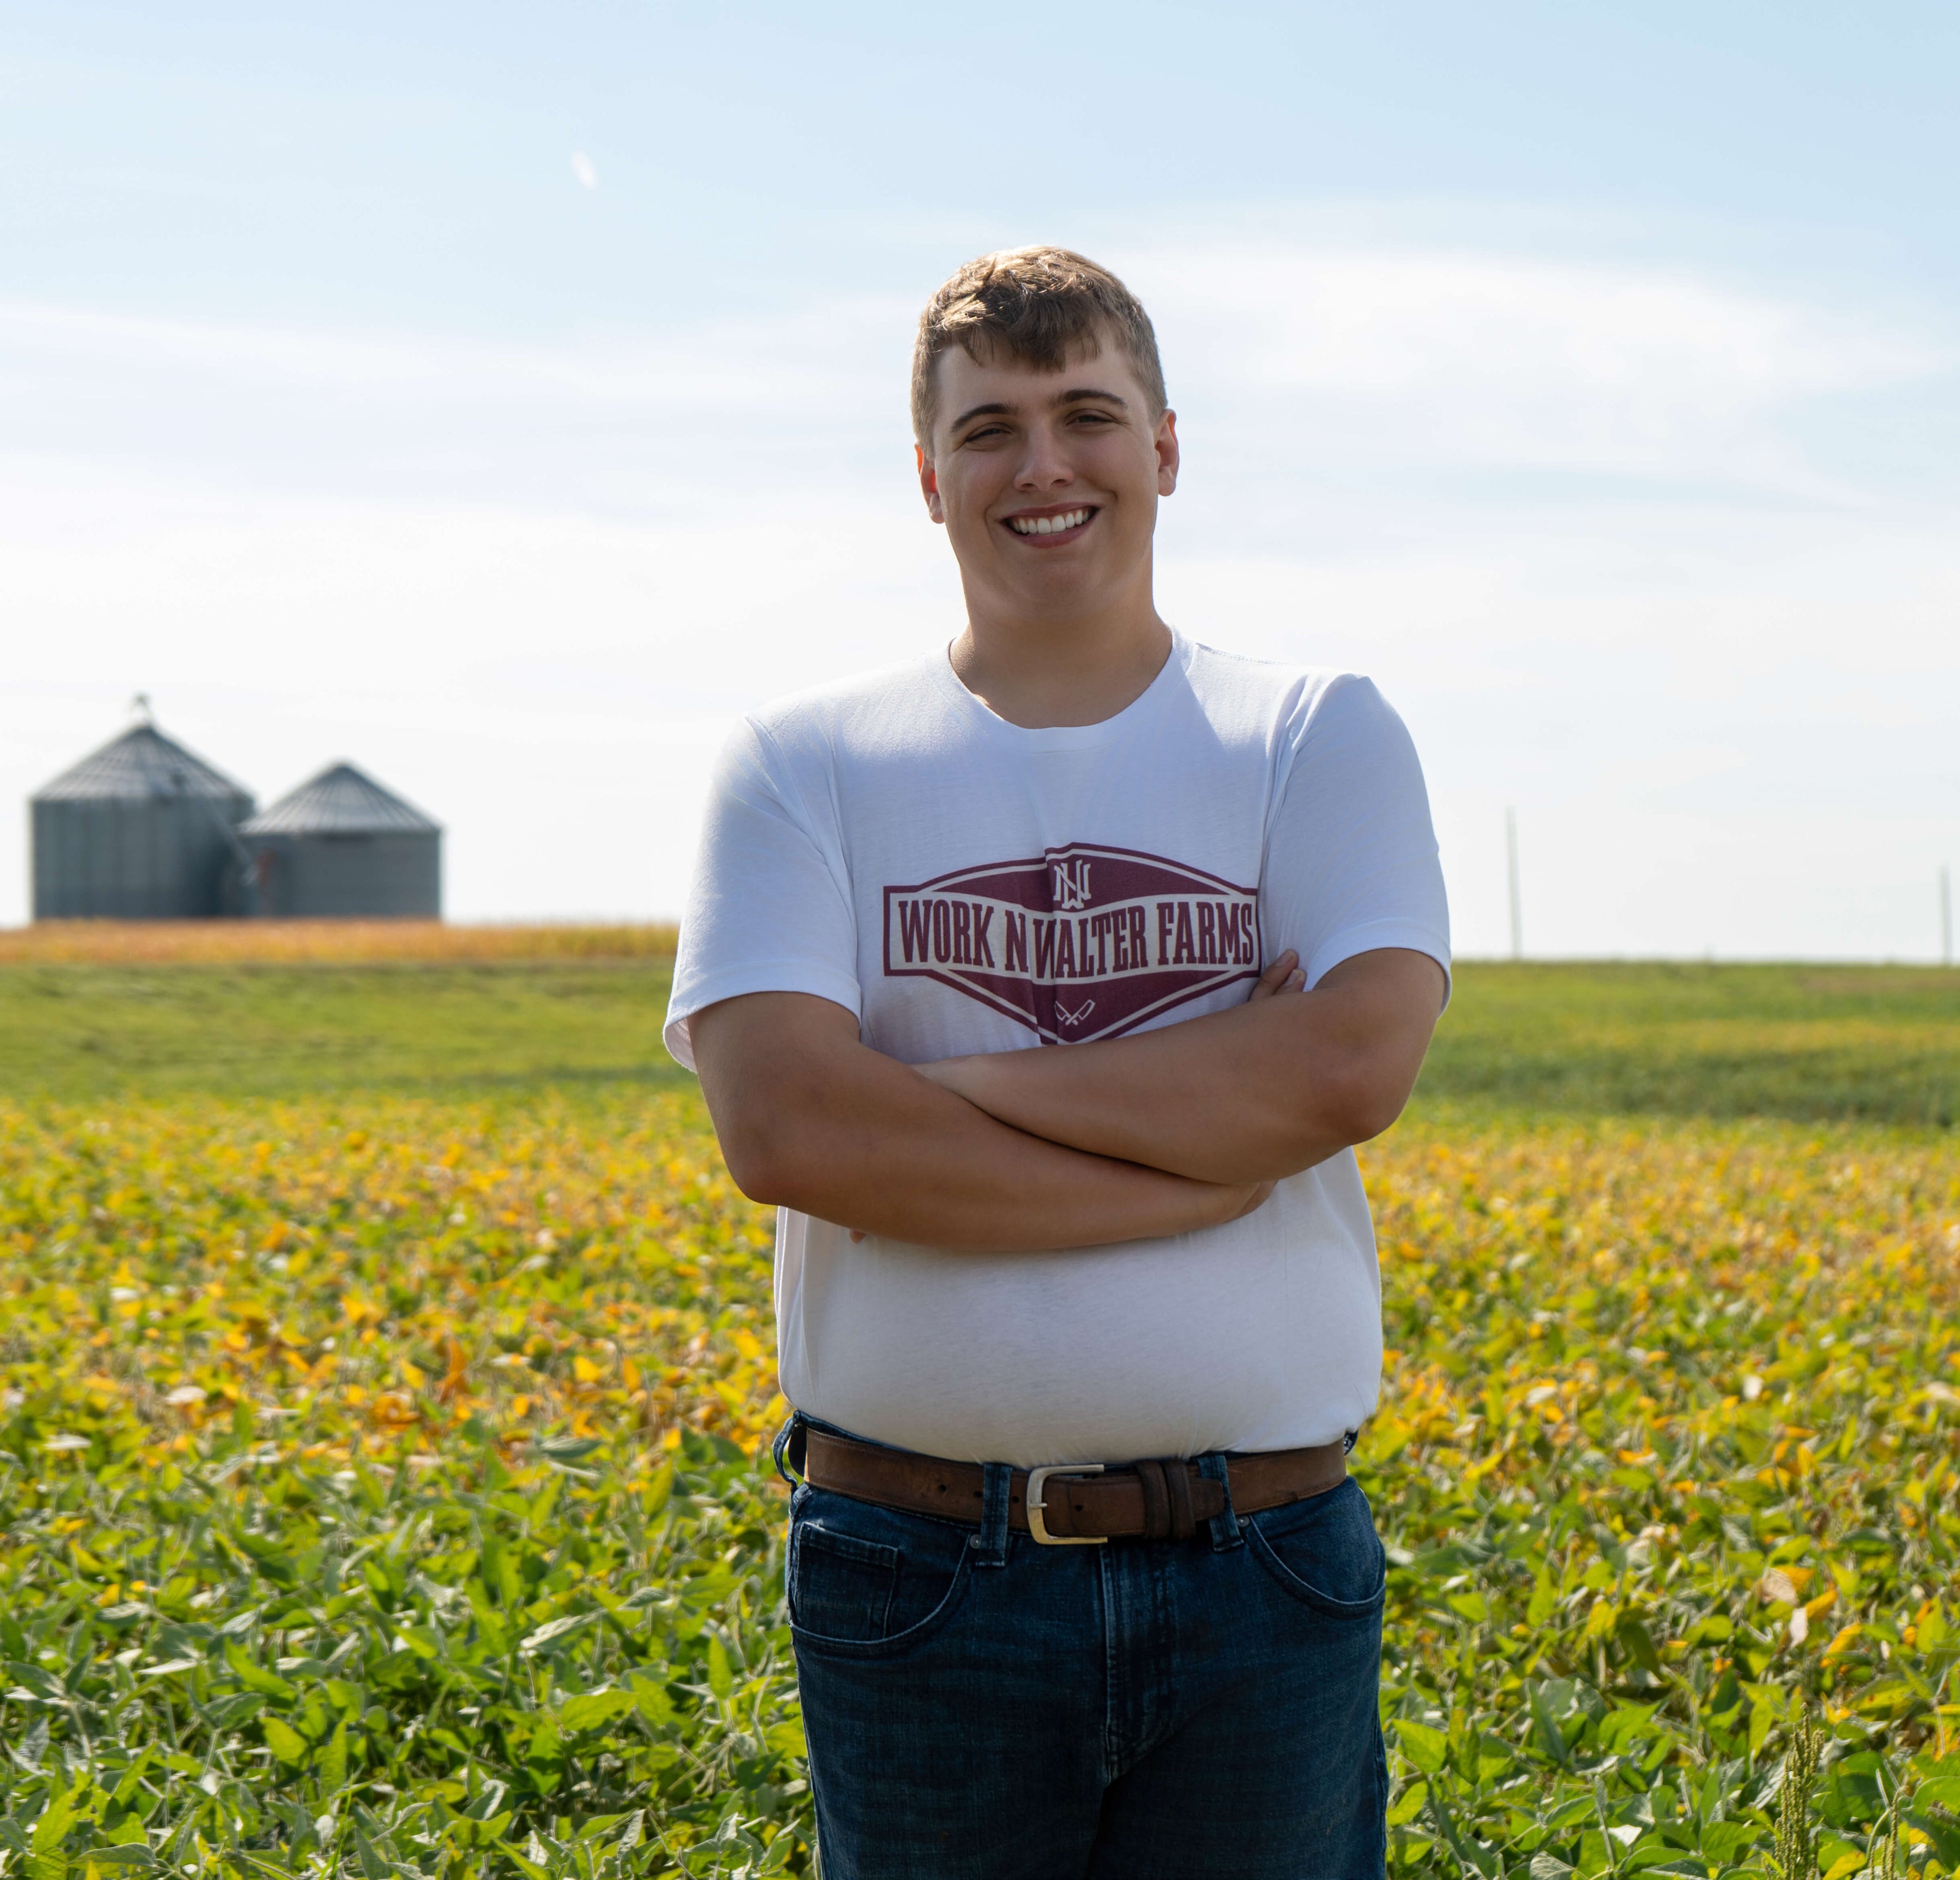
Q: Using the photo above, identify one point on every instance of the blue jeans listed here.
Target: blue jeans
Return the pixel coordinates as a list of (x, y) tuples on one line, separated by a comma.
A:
[(977, 1705)]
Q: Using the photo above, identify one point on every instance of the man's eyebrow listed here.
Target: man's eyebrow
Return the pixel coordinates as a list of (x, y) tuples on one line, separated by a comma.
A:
[(1076, 395), (984, 411)]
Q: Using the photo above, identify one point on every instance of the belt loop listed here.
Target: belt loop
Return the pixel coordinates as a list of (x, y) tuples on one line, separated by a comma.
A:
[(1224, 1526), (990, 1543), (791, 1440)]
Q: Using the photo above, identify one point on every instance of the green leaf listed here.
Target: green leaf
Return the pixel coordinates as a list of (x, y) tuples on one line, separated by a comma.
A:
[(333, 1761), (284, 1742), (424, 1641), (255, 1676), (1425, 1747), (56, 1818), (1942, 1791), (1943, 1837), (373, 1867), (1722, 1841), (546, 1747), (1550, 1738), (1472, 1855), (721, 1674), (500, 1572), (592, 1709), (553, 1630), (1637, 1642), (529, 1869), (1408, 1804), (567, 1448), (33, 1678), (131, 1780), (786, 1737)]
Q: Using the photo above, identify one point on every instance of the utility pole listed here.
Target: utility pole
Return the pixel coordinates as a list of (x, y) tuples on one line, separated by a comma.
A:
[(1946, 916), (1517, 904)]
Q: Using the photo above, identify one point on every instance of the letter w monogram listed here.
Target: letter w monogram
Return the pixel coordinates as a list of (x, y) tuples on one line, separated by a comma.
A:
[(1071, 884)]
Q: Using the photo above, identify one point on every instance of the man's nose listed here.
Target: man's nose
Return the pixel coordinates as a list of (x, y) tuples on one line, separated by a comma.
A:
[(1044, 463)]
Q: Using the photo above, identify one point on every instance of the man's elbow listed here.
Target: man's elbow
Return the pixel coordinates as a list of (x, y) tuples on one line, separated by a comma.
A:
[(1360, 1103), (1372, 1111), (761, 1154)]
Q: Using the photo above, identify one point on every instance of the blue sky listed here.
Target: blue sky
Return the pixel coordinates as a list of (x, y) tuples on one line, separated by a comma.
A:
[(504, 398)]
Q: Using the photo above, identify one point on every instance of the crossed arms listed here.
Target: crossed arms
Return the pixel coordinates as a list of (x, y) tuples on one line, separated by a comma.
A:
[(1181, 1128)]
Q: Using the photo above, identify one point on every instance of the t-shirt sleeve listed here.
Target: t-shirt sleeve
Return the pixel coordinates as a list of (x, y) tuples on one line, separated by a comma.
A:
[(770, 907), (1351, 862)]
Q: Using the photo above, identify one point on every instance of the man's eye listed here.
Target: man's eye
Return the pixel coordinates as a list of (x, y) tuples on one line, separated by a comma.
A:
[(983, 433)]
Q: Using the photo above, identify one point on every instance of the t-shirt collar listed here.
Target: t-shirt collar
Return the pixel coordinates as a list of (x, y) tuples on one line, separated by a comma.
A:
[(1073, 737)]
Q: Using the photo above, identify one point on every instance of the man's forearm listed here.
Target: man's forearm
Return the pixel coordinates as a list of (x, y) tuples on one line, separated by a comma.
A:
[(810, 1119), (1250, 1095)]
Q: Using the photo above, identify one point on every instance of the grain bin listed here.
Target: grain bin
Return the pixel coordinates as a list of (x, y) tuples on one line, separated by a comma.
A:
[(140, 830), (342, 845)]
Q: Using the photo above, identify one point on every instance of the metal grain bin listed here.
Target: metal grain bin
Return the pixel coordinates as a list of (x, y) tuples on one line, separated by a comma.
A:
[(140, 830), (341, 844)]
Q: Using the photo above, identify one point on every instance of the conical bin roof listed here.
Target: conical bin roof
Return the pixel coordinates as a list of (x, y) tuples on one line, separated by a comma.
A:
[(341, 800), (141, 764)]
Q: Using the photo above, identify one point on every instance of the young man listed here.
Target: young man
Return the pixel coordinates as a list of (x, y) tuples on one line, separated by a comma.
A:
[(1077, 1337)]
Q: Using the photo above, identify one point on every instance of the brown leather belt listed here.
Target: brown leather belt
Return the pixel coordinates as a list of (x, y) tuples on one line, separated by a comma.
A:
[(1076, 1502)]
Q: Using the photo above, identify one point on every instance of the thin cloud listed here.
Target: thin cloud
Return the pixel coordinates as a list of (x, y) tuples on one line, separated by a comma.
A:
[(1462, 360), (582, 168)]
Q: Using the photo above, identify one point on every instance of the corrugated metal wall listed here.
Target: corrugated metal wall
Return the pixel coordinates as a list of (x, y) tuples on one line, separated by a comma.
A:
[(319, 876), (158, 858)]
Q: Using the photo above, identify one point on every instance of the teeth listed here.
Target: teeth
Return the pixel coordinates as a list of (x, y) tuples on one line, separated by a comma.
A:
[(1047, 524)]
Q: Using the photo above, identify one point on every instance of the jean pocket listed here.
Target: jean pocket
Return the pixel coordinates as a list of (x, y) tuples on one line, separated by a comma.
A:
[(1326, 1552), (864, 1580)]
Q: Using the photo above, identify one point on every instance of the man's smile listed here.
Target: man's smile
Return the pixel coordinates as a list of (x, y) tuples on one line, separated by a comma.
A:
[(1053, 522)]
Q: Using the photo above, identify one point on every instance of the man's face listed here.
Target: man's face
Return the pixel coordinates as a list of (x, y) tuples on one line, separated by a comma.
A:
[(1048, 483)]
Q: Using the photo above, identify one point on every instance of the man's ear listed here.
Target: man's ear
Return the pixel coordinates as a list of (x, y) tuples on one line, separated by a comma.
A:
[(928, 478), (1167, 456)]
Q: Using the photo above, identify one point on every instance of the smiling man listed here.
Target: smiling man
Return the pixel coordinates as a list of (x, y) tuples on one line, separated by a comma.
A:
[(1047, 984)]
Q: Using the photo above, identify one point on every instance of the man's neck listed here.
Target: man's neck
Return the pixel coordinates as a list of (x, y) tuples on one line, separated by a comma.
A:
[(1039, 673)]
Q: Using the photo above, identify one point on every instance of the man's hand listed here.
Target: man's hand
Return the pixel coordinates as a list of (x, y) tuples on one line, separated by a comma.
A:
[(1255, 1094), (812, 1118), (1284, 975)]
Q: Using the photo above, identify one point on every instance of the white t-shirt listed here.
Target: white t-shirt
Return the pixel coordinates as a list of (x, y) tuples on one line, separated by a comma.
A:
[(962, 885)]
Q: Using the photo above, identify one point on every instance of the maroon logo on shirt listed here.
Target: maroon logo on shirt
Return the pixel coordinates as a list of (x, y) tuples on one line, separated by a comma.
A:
[(1080, 943)]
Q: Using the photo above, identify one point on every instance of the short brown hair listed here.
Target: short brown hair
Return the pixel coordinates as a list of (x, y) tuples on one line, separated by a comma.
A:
[(1032, 304)]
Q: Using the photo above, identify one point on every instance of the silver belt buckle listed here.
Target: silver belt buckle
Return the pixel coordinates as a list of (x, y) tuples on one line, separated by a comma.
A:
[(1037, 1526)]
